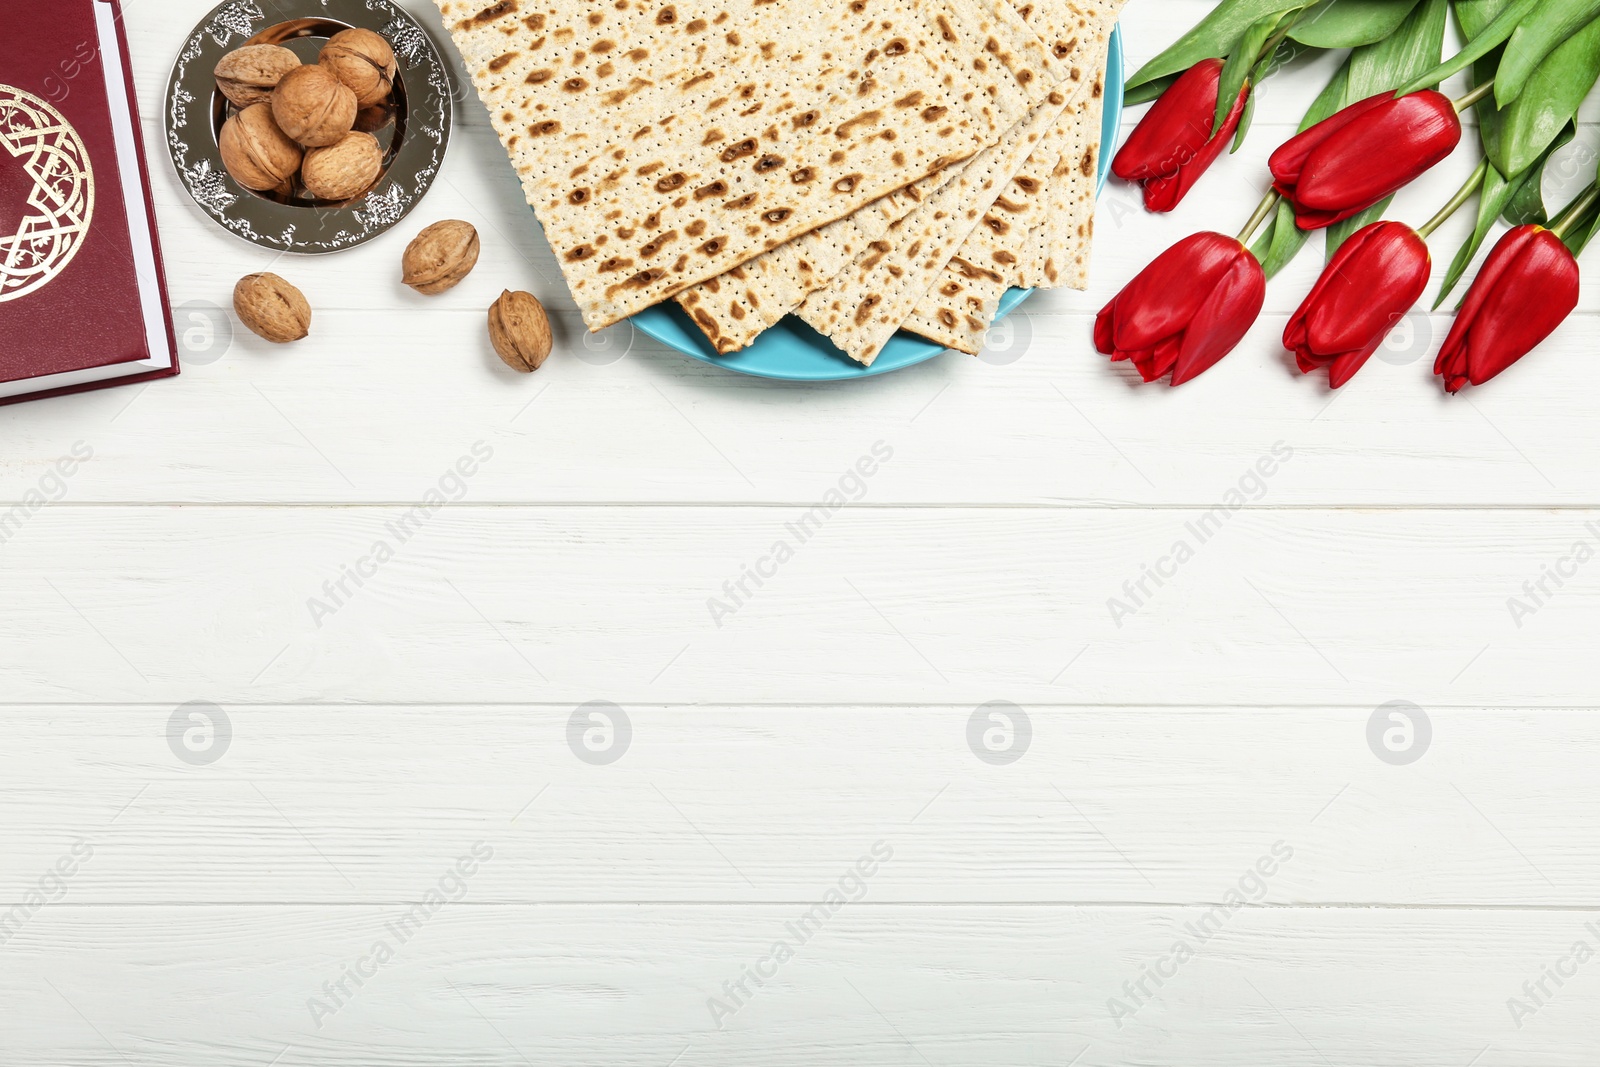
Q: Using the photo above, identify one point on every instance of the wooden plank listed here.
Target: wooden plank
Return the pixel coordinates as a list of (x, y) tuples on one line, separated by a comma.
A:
[(492, 986), (372, 416), (906, 605), (1130, 805)]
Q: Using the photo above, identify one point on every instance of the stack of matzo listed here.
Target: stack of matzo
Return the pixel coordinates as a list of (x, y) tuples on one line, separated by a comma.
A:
[(844, 160)]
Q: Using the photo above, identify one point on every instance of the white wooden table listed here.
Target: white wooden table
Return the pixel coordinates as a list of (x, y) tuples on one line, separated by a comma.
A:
[(221, 892)]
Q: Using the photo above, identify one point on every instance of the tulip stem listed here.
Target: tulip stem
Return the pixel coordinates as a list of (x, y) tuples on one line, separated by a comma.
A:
[(1463, 194), (1578, 209), (1473, 97), (1268, 204)]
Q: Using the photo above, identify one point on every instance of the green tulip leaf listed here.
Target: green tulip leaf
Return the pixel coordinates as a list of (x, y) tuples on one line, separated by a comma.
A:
[(1214, 37), (1494, 199), (1238, 67), (1551, 24), (1491, 120), (1350, 23), (1579, 233), (1526, 205), (1281, 243), (1491, 35), (1518, 134), (1402, 56), (1475, 15), (1245, 119), (1578, 238), (1148, 91), (1330, 100), (1265, 67)]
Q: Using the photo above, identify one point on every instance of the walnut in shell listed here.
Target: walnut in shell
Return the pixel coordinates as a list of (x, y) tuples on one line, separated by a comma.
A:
[(313, 107), (272, 308), (255, 152), (364, 62), (345, 170), (248, 75), (520, 331), (441, 256)]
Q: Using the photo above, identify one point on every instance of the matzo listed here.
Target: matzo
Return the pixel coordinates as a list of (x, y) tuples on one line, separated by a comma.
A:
[(663, 142), (861, 308), (962, 304), (1057, 253), (733, 310), (1005, 250)]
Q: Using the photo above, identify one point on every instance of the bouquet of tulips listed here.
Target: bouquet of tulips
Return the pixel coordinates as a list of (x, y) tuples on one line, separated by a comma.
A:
[(1380, 124)]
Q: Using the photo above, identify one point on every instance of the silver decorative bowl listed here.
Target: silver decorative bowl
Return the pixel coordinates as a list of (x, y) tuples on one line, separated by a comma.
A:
[(413, 128)]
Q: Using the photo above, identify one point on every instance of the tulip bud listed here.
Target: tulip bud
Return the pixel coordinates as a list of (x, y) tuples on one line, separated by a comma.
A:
[(1372, 281), (1370, 150), (1528, 287), (1172, 146), (1185, 311)]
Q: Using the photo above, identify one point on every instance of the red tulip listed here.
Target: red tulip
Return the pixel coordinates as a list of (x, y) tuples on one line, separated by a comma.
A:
[(1528, 287), (1185, 311), (1350, 161), (1172, 146), (1373, 280)]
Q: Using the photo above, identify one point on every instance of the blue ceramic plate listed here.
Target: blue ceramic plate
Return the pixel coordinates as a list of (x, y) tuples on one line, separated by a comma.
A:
[(795, 352)]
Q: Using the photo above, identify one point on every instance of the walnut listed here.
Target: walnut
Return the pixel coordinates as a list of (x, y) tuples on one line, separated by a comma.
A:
[(272, 308), (520, 331), (255, 152), (345, 170), (313, 106), (248, 75), (441, 256), (364, 62)]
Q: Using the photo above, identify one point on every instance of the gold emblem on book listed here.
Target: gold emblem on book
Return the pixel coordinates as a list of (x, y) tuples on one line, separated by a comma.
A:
[(35, 249)]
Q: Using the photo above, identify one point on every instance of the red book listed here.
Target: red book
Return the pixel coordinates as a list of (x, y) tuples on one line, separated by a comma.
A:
[(83, 300)]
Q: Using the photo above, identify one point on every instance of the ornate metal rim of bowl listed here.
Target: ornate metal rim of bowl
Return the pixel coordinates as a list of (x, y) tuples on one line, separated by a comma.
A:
[(195, 110)]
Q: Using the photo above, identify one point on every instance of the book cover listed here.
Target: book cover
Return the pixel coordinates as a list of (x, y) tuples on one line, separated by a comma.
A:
[(82, 298)]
